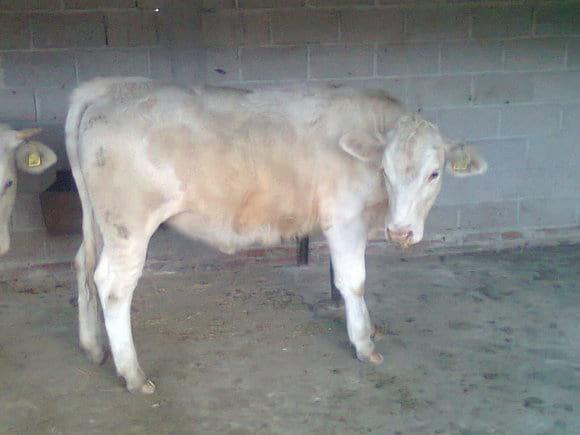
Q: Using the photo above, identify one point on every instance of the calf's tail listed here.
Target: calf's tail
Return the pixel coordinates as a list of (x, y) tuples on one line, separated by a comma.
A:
[(81, 100)]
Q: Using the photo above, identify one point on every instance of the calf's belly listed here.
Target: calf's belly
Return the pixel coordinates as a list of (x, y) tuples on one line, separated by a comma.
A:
[(219, 233)]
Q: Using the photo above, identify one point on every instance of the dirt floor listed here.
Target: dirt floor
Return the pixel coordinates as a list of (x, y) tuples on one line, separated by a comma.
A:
[(474, 344)]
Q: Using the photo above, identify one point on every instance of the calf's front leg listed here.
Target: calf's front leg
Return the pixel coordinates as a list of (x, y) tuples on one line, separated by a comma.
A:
[(347, 243)]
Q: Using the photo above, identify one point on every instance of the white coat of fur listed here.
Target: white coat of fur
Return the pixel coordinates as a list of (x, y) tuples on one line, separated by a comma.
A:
[(233, 167)]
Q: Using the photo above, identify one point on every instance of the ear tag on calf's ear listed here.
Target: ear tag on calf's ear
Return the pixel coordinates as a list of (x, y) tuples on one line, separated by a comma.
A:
[(461, 165), (33, 160)]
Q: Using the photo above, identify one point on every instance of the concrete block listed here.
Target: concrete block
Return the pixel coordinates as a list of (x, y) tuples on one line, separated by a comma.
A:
[(27, 215), (535, 54), (567, 182), (573, 54), (28, 5), (17, 104), (336, 61), (304, 26), (216, 5), (160, 64), (525, 183), (255, 29), (26, 248), (132, 28), (38, 69), (467, 190), (96, 4), (571, 118), (428, 24), (366, 26), (181, 26), (447, 91), (221, 30), (502, 88), (529, 120), (554, 151), (222, 65), (274, 63), (503, 154), (150, 5), (397, 88), (441, 219), (249, 4), (52, 104), (325, 3), (469, 123), (29, 183), (68, 30), (414, 2), (118, 62), (14, 32), (509, 185), (411, 60), (488, 215), (188, 66), (559, 18), (502, 21), (548, 212), (557, 86), (473, 56)]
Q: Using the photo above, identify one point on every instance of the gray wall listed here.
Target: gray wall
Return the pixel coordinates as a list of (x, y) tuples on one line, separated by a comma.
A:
[(501, 74)]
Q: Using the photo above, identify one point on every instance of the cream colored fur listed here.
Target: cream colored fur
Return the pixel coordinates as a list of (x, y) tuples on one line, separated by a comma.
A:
[(234, 167)]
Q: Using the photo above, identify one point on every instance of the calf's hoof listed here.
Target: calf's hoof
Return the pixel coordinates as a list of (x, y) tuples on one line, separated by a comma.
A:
[(374, 357), (147, 387)]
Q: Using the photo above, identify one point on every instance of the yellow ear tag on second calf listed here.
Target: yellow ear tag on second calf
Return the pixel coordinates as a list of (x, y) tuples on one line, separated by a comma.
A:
[(462, 164), (33, 160)]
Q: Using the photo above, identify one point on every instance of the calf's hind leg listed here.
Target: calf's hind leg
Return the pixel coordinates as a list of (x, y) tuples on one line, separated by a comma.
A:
[(120, 266), (90, 333)]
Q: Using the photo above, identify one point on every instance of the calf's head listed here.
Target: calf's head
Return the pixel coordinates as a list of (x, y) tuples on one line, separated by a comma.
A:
[(411, 158), (17, 152)]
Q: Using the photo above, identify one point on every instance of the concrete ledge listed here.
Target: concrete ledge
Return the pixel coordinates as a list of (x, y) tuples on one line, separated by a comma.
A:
[(39, 251)]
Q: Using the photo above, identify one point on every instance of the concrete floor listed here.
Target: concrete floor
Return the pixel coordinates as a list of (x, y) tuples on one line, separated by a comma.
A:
[(474, 344)]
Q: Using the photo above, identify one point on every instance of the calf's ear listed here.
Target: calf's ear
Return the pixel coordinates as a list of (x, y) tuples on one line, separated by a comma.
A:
[(362, 145), (464, 160), (34, 157), (12, 138), (27, 133)]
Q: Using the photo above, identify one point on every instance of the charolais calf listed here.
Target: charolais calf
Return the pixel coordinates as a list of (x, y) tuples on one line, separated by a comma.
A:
[(234, 167), (18, 152)]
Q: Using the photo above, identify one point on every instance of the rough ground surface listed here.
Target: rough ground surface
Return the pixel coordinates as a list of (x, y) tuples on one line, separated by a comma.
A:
[(474, 344)]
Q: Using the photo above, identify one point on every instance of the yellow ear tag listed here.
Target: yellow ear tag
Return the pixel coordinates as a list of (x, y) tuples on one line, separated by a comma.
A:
[(34, 160), (461, 165)]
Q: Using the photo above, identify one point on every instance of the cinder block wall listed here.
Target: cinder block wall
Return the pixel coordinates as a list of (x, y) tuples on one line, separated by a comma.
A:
[(501, 74)]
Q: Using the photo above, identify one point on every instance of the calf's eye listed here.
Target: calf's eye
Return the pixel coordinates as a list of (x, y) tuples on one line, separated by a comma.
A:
[(433, 176), (8, 184)]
